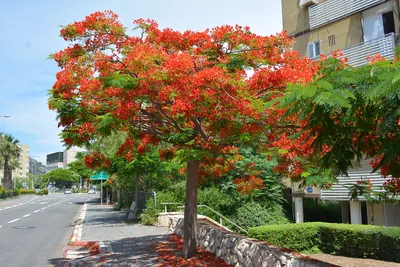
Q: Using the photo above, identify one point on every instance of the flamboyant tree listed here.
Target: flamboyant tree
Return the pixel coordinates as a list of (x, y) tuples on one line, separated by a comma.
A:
[(353, 114), (189, 89)]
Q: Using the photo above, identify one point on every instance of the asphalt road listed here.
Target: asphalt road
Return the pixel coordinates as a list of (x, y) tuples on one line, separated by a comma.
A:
[(34, 230)]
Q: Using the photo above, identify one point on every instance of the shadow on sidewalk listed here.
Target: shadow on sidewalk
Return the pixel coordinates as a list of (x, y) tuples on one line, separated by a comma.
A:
[(134, 252)]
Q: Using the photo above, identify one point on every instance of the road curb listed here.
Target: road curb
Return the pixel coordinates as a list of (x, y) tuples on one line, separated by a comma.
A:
[(78, 229)]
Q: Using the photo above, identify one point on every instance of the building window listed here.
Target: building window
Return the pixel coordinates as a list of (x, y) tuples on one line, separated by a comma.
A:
[(314, 49), (332, 40), (388, 22)]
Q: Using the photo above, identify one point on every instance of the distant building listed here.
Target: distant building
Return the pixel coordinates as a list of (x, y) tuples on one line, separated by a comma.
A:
[(54, 161), (23, 170), (61, 159), (70, 154)]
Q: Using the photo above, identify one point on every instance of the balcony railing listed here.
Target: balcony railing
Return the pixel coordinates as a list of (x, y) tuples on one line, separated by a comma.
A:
[(333, 10), (357, 54), (340, 191)]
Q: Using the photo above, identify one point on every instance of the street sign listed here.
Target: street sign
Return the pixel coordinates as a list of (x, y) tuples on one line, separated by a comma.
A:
[(100, 176)]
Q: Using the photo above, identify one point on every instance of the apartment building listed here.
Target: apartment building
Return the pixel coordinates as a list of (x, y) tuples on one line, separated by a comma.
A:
[(70, 154), (358, 28)]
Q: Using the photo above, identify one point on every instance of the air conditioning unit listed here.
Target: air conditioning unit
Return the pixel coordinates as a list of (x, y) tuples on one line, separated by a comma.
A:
[(307, 3)]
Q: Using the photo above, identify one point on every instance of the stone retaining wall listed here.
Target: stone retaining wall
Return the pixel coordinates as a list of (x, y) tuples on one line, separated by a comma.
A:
[(240, 251)]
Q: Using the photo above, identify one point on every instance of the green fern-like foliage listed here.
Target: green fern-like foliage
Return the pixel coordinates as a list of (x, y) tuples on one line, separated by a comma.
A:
[(356, 111)]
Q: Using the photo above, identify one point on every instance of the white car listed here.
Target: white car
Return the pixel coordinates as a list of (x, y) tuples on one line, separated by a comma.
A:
[(68, 191), (91, 191)]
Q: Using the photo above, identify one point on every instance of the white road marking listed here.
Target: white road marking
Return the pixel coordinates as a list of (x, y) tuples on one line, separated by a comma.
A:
[(13, 220), (36, 211), (27, 215)]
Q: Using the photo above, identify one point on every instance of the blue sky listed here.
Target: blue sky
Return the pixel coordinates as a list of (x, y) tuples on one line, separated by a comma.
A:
[(29, 32)]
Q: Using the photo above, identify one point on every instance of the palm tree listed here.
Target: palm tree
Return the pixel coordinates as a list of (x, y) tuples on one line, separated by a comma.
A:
[(10, 153)]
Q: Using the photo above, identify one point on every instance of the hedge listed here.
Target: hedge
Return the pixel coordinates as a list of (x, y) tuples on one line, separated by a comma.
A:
[(361, 241), (4, 193)]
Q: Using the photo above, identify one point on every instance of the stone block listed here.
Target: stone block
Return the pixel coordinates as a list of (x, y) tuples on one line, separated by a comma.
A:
[(232, 258), (224, 250), (219, 252), (241, 259), (254, 251), (248, 262), (243, 247)]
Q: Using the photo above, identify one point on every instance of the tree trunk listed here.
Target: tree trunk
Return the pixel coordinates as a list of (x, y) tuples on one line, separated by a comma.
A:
[(190, 215), (7, 180), (136, 197)]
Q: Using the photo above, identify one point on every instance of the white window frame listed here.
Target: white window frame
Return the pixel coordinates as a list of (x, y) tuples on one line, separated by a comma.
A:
[(314, 50)]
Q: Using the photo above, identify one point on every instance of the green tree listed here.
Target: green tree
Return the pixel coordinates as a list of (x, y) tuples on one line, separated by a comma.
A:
[(63, 178), (79, 168), (351, 114), (9, 154)]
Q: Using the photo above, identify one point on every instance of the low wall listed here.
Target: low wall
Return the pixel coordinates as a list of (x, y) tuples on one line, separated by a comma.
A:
[(240, 251)]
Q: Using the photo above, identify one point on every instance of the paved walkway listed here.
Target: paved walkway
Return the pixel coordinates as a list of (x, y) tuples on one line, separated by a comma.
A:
[(132, 244)]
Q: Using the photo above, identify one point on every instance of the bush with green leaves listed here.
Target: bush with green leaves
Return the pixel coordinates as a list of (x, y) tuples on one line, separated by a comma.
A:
[(253, 214), (149, 215), (26, 191), (362, 241)]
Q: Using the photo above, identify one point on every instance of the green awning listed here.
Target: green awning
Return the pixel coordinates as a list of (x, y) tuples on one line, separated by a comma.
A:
[(100, 176)]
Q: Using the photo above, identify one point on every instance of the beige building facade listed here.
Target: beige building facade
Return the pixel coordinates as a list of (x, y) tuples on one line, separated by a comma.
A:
[(321, 27)]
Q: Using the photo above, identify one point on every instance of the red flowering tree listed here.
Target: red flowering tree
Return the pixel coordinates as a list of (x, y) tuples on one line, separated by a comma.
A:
[(189, 89)]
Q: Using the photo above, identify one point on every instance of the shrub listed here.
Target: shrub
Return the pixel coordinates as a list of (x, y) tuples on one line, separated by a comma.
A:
[(43, 192), (167, 197), (253, 214), (361, 241), (149, 215), (15, 192), (301, 237), (215, 199), (26, 191)]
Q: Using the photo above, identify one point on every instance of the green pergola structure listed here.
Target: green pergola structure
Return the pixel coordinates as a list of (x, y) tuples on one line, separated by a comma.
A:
[(100, 176)]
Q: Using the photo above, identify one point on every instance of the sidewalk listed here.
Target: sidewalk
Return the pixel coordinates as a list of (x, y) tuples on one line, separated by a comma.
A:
[(121, 244)]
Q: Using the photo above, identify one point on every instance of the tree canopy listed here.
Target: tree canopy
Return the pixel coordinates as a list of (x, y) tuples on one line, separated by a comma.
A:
[(63, 178), (188, 89)]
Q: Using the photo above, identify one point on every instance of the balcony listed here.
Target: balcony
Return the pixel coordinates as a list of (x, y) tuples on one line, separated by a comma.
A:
[(340, 192), (357, 54), (333, 10)]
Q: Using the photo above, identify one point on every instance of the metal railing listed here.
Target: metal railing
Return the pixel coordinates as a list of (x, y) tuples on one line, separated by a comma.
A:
[(220, 217), (357, 54), (333, 10), (165, 204)]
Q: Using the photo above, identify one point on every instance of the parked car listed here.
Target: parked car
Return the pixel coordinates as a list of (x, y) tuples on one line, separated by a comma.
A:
[(91, 191), (68, 191)]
